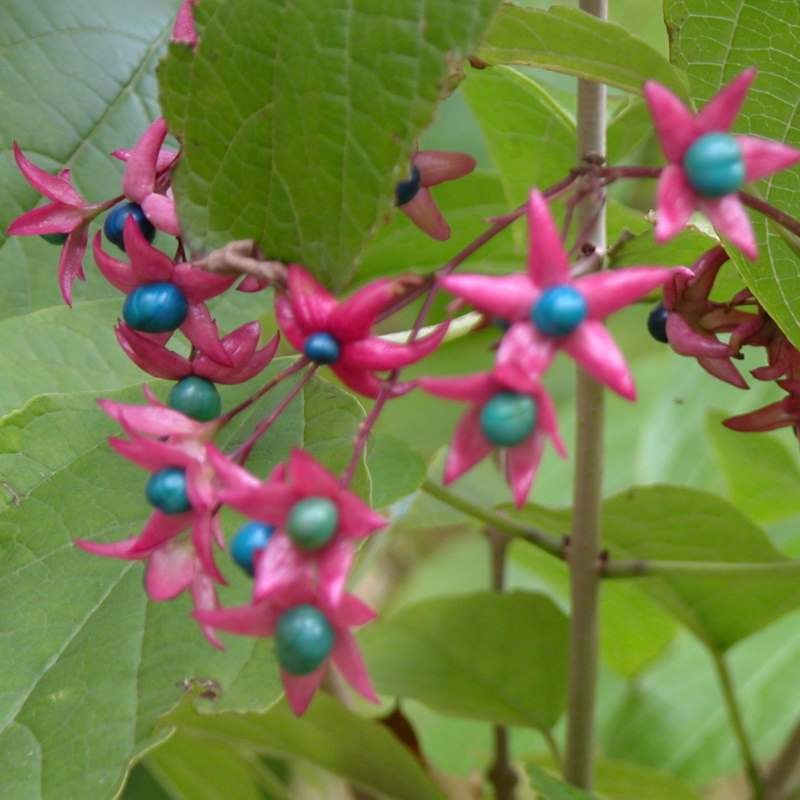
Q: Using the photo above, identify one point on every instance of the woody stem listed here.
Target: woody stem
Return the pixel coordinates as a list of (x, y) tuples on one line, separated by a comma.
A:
[(585, 540)]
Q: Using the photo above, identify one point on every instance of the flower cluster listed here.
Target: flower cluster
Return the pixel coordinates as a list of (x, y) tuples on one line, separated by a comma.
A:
[(304, 523)]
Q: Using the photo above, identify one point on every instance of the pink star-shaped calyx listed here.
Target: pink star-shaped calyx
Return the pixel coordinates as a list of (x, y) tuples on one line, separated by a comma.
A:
[(509, 413), (708, 165), (278, 501), (68, 214), (338, 333), (149, 265), (262, 619), (550, 311)]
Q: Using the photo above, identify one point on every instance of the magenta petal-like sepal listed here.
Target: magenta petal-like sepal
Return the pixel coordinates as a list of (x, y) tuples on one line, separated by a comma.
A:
[(678, 129), (260, 619)]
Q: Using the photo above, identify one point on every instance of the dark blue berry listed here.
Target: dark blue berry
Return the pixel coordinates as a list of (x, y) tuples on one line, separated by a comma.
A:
[(405, 191), (321, 348), (115, 223), (657, 323), (166, 490), (155, 308), (248, 540), (55, 238), (559, 311)]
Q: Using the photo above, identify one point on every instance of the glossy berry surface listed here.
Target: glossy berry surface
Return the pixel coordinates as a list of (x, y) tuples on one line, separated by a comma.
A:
[(321, 348), (312, 522), (405, 191), (166, 490), (559, 311), (155, 308), (657, 323), (508, 418), (303, 639), (251, 538), (115, 223), (714, 165), (55, 238), (197, 398)]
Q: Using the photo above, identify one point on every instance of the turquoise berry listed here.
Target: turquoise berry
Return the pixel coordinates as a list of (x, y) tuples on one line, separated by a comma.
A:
[(508, 418), (714, 165), (197, 398), (166, 490), (559, 311), (303, 639), (55, 238), (405, 191), (155, 308), (248, 540), (321, 348), (114, 224), (312, 522)]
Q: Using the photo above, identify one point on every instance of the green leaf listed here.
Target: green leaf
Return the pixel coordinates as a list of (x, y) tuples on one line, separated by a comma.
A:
[(78, 83), (613, 780), (304, 154), (63, 350), (200, 768), (550, 788), (452, 654), (677, 524), (571, 41), (760, 470), (328, 735), (714, 40), (71, 609), (530, 137), (396, 470), (673, 717)]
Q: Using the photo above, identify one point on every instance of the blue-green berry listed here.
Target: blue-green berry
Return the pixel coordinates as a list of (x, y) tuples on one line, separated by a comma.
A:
[(714, 165), (508, 418), (250, 539), (196, 397), (657, 323), (114, 224), (303, 639), (55, 238), (405, 191), (312, 522), (559, 311), (155, 308), (167, 491), (321, 348)]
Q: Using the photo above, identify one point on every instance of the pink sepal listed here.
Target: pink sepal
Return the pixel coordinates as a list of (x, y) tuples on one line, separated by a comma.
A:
[(424, 213)]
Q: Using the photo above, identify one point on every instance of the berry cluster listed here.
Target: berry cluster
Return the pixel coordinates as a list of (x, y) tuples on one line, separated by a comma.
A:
[(304, 523)]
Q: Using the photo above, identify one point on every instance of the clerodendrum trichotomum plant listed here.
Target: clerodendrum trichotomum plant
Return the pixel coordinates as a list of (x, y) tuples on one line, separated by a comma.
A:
[(336, 431)]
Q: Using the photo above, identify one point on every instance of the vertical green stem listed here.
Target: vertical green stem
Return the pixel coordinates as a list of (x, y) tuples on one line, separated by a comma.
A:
[(501, 773), (585, 540), (748, 758), (784, 768)]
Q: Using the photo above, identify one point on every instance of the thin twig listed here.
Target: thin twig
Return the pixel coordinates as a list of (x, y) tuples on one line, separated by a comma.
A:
[(242, 453), (768, 210), (704, 569), (737, 723), (500, 522), (785, 768), (501, 773), (269, 385)]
